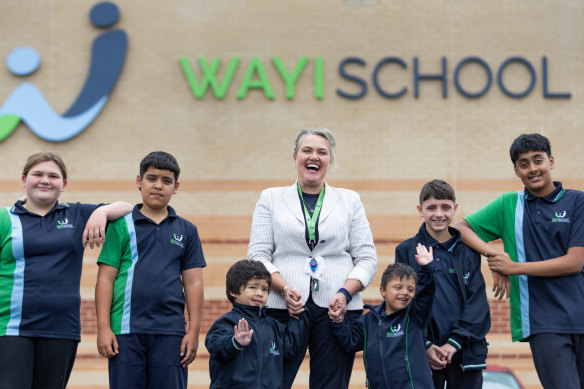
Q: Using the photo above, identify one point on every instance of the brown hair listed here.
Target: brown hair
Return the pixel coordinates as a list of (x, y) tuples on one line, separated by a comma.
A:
[(44, 156)]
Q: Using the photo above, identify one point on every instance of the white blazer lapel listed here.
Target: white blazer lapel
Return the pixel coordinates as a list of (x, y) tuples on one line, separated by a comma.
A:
[(293, 202), (329, 203)]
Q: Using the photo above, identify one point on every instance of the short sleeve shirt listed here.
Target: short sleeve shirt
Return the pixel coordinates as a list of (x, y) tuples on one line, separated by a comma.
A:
[(148, 292), (41, 258), (535, 229)]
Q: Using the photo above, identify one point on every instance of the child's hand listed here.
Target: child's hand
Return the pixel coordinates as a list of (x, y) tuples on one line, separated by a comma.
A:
[(501, 262), (436, 357), (423, 256), (94, 233), (335, 318), (337, 308), (107, 344), (450, 351), (501, 285), (242, 333), (293, 300)]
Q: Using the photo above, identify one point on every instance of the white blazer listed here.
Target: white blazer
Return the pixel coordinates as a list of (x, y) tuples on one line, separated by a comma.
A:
[(345, 243)]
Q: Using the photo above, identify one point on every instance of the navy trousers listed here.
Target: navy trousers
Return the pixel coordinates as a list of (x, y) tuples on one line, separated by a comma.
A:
[(559, 360), (330, 365), (456, 378)]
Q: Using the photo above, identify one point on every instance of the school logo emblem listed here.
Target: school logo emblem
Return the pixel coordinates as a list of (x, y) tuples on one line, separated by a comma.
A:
[(177, 240), (394, 331), (63, 224), (273, 350), (560, 217), (27, 103), (466, 278)]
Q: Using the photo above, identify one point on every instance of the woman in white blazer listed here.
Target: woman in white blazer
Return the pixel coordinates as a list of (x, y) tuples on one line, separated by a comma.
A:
[(316, 242)]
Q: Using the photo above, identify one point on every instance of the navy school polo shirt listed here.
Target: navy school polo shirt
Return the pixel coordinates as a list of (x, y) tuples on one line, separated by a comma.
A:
[(148, 292), (41, 258)]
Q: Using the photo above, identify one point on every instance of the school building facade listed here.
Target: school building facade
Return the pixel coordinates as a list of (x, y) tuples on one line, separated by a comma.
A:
[(413, 90)]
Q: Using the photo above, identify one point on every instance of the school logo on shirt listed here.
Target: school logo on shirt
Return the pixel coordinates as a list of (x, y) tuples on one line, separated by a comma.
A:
[(63, 224), (394, 331), (273, 350), (466, 278), (560, 217), (177, 240)]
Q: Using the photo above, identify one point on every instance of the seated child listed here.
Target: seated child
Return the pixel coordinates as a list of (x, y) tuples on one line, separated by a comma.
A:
[(246, 347), (392, 333)]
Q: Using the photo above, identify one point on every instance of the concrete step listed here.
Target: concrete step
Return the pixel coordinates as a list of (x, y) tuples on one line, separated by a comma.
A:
[(90, 370)]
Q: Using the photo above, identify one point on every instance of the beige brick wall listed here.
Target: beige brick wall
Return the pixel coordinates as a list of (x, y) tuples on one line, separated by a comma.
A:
[(386, 148)]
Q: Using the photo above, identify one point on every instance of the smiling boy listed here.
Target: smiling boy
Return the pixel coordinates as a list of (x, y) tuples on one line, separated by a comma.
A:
[(391, 334), (542, 228), (457, 349), (247, 348), (150, 265)]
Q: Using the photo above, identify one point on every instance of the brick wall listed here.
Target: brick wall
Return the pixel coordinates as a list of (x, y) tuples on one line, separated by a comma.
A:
[(213, 309)]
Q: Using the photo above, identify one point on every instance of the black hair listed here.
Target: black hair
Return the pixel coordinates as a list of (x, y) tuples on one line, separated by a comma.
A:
[(440, 190), (397, 270), (241, 272), (160, 160), (529, 142)]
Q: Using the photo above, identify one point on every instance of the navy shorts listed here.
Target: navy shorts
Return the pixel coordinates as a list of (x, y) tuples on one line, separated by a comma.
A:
[(147, 362)]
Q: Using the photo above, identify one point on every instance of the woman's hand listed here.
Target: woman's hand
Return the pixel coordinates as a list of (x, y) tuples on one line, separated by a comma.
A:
[(294, 303), (337, 307)]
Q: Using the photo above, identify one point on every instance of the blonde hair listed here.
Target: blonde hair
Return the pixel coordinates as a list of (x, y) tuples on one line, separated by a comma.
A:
[(45, 156)]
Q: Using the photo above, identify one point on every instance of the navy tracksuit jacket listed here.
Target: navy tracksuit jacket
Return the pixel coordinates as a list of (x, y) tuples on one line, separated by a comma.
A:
[(260, 364)]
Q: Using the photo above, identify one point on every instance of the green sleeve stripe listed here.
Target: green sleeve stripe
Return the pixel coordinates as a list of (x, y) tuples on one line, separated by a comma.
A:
[(7, 267), (17, 243), (127, 311), (522, 279)]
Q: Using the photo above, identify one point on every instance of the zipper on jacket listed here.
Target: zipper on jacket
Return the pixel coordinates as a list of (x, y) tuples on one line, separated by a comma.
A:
[(260, 344), (380, 332)]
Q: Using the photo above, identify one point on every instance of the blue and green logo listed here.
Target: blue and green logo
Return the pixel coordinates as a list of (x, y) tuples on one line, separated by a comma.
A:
[(27, 103), (394, 331), (560, 217), (177, 240)]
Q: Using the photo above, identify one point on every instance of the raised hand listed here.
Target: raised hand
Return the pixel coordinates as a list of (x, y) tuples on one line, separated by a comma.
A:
[(242, 333), (423, 256)]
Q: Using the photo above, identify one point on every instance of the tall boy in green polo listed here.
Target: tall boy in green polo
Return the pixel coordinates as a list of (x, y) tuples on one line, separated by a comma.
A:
[(542, 228), (149, 257)]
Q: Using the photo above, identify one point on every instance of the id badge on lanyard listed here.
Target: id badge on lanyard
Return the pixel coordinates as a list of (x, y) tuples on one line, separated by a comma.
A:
[(315, 267)]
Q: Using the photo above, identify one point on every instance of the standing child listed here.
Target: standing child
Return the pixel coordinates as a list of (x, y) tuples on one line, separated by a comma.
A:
[(41, 256), (148, 258), (247, 348), (542, 228), (392, 333), (456, 345)]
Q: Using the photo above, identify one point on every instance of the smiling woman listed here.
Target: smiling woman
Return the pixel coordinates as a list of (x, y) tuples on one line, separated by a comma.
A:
[(316, 242)]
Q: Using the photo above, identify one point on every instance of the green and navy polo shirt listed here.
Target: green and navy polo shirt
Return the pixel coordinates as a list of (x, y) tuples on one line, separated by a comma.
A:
[(148, 292), (535, 229), (40, 270)]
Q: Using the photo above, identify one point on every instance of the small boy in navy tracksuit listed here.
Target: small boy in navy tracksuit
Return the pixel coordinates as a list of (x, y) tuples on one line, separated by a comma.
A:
[(246, 347), (457, 349), (392, 333)]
